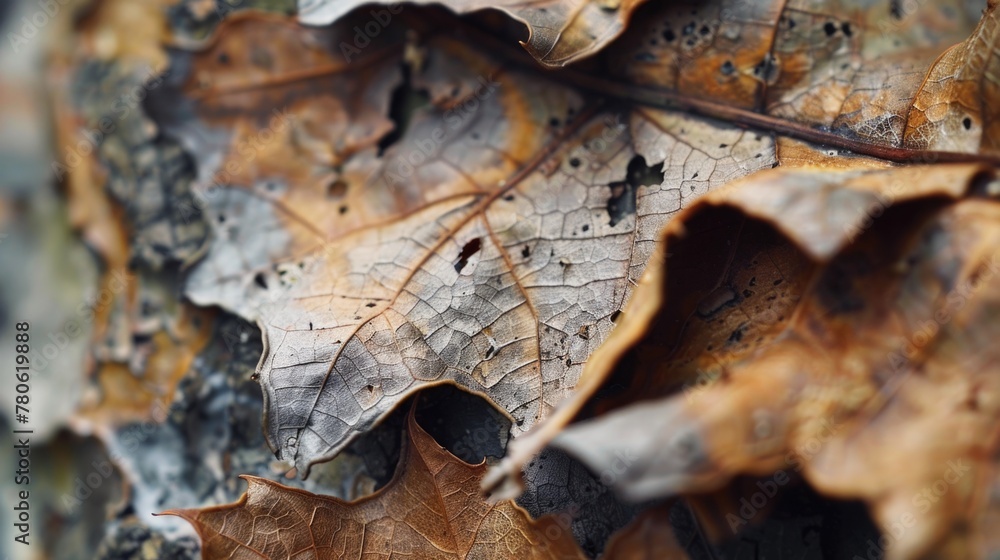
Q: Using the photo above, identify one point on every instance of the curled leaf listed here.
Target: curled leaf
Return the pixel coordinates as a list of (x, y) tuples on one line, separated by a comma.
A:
[(844, 331), (559, 31)]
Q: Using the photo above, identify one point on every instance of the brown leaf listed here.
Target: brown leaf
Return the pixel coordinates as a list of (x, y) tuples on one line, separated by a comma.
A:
[(430, 509), (887, 77), (490, 244), (559, 31), (844, 332)]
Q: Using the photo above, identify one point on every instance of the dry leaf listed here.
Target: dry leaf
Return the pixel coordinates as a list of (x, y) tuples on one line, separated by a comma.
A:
[(842, 329), (489, 245), (430, 509), (883, 75), (402, 201), (559, 31)]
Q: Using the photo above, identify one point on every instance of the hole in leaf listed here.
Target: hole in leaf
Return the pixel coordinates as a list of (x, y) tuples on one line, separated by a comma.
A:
[(622, 201), (470, 248), (405, 103)]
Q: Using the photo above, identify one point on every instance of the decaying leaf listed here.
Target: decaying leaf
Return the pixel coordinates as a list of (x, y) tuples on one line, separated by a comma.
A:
[(559, 31), (841, 326), (402, 199), (430, 509), (873, 74), (490, 243)]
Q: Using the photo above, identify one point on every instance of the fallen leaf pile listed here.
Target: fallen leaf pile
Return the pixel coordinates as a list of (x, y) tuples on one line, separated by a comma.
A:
[(693, 246)]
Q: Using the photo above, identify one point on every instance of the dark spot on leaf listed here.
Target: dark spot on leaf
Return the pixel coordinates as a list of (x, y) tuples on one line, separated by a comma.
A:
[(508, 197), (574, 162), (491, 351), (668, 35), (622, 201), (616, 315), (343, 209), (765, 68), (370, 304), (967, 123), (688, 29), (336, 189), (526, 251), (704, 30), (404, 104), (737, 335), (728, 68), (471, 248), (846, 28), (585, 227), (829, 28), (260, 280), (896, 9)]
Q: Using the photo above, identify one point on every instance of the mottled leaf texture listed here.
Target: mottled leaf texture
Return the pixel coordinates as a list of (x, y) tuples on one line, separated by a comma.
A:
[(841, 324), (892, 75), (559, 31), (489, 243), (430, 510)]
